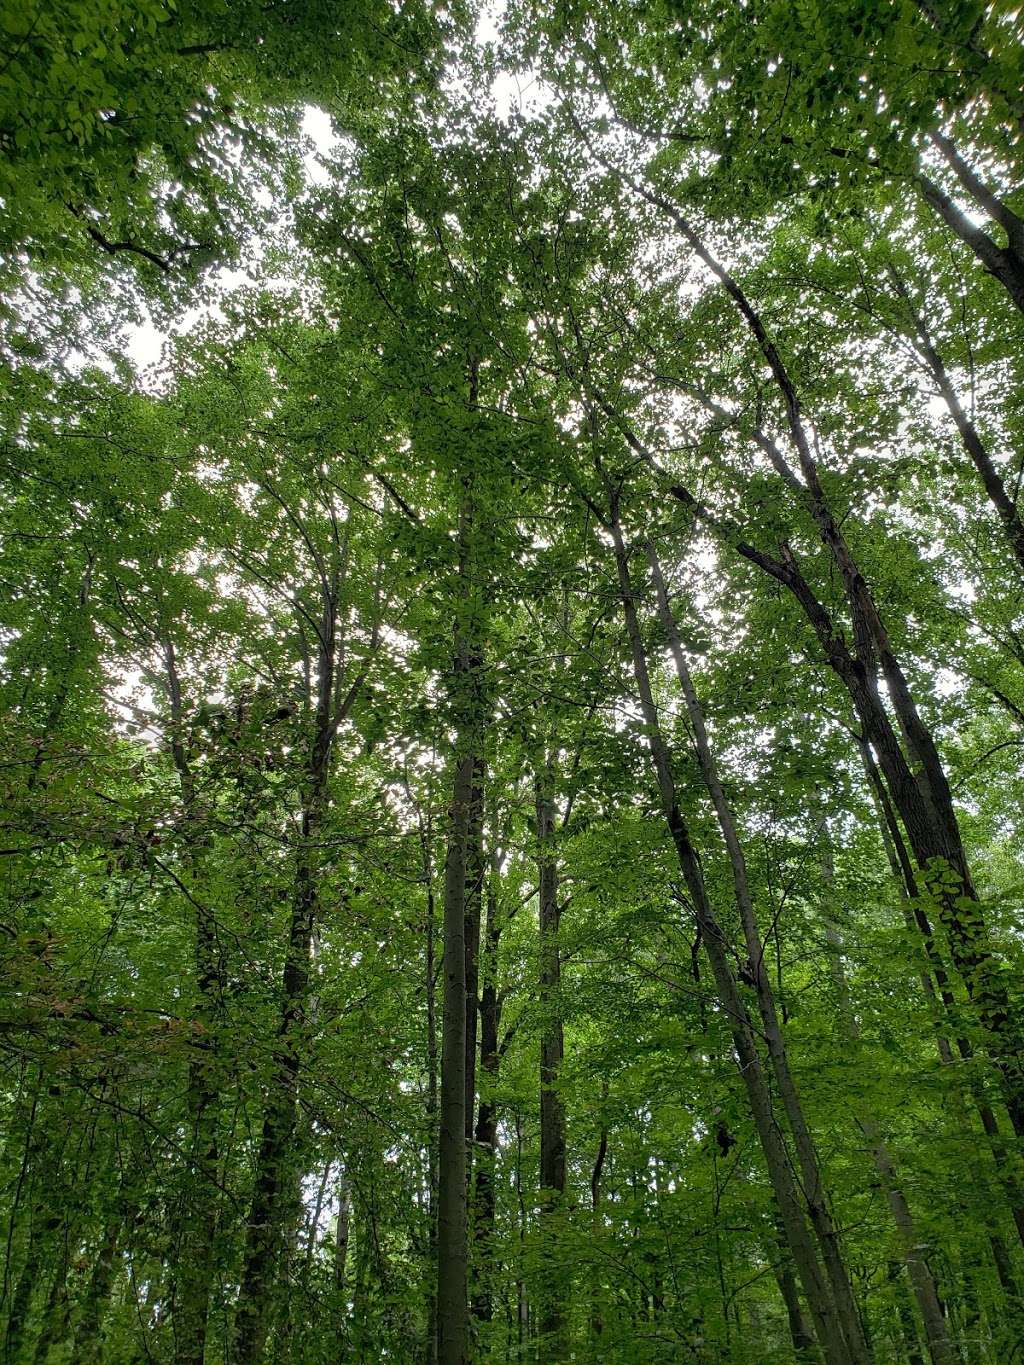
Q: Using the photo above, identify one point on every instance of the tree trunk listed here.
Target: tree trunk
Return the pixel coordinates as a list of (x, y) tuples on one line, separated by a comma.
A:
[(474, 895), (552, 1323), (924, 804), (827, 1318), (917, 780), (940, 1348), (1003, 263), (452, 1328), (56, 1315), (920, 792), (799, 1328), (596, 1175), (344, 1196), (486, 1132), (916, 919), (275, 1201), (905, 1313), (430, 1347), (196, 1227), (21, 1300), (88, 1339), (807, 1156), (452, 1248)]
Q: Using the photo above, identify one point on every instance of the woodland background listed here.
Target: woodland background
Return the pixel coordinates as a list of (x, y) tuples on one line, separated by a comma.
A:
[(512, 726)]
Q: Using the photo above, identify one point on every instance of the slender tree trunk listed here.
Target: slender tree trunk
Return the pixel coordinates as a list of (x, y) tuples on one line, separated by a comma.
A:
[(55, 1313), (75, 632), (552, 1047), (21, 1299), (905, 1313), (452, 1327), (343, 1193), (596, 1176), (314, 1225), (486, 1132), (361, 1281), (275, 1194), (924, 803), (800, 1330), (827, 1318), (275, 1206), (88, 1338), (922, 796), (917, 780), (430, 1347), (56, 1316), (982, 193), (474, 896), (522, 1304), (917, 921), (1003, 263), (925, 806), (940, 1348), (275, 1200), (452, 1248), (813, 1185), (196, 1227)]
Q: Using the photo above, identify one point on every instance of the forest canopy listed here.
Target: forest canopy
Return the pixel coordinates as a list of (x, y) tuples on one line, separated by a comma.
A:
[(512, 676)]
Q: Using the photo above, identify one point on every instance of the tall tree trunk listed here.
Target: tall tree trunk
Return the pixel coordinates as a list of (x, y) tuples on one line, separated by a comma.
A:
[(275, 1200), (452, 1248), (430, 1346), (88, 1333), (828, 1320), (361, 1281), (807, 1156), (343, 1193), (552, 1047), (905, 1313), (196, 1225), (452, 1288), (940, 1348), (596, 1177), (800, 1330), (275, 1206), (1003, 263), (486, 1131), (522, 1303), (57, 1313), (917, 921), (916, 779), (42, 1234), (474, 896), (75, 632), (920, 794), (275, 1203)]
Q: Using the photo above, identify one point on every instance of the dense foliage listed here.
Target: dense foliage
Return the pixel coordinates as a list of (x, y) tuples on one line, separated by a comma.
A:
[(512, 728)]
